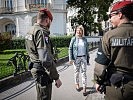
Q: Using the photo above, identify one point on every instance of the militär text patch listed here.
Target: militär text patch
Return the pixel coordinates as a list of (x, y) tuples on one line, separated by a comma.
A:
[(122, 41)]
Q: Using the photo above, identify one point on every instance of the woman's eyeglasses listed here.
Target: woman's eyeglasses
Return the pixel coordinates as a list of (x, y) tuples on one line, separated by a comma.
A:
[(113, 14)]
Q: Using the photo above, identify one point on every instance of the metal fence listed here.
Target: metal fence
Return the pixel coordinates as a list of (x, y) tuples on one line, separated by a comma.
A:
[(19, 62), (15, 65)]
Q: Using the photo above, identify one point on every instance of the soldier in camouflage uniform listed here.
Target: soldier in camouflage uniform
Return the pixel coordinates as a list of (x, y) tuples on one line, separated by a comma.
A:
[(39, 48), (116, 52)]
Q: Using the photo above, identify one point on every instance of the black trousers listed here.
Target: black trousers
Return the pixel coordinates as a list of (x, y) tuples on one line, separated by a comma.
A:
[(113, 93)]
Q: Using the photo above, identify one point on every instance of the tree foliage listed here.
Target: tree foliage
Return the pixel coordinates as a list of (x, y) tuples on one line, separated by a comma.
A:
[(87, 12)]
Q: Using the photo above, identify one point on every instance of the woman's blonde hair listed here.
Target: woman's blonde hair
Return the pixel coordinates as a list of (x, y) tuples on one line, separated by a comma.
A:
[(81, 28)]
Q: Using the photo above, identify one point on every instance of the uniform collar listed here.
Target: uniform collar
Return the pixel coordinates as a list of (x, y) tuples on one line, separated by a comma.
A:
[(44, 27), (126, 25), (37, 24)]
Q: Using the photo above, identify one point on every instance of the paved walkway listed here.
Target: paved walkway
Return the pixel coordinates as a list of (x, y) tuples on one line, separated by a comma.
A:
[(26, 90)]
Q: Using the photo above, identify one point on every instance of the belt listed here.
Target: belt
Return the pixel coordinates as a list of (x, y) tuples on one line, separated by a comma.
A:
[(127, 76), (81, 56), (37, 65)]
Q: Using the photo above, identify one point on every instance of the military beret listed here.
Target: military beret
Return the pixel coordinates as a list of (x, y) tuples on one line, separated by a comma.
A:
[(44, 10), (121, 4)]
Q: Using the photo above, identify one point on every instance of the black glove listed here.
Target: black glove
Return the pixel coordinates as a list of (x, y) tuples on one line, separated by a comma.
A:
[(30, 66)]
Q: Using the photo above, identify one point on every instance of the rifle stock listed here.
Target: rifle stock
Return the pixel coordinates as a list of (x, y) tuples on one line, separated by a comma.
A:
[(106, 79)]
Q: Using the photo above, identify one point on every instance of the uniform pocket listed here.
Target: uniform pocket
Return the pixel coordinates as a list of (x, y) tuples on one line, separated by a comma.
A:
[(116, 79)]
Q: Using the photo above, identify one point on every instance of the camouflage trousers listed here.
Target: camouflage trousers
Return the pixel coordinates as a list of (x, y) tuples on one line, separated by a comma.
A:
[(113, 93), (43, 92), (80, 64)]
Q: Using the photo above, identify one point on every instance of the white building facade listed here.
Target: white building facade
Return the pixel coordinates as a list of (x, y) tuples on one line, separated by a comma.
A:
[(17, 16)]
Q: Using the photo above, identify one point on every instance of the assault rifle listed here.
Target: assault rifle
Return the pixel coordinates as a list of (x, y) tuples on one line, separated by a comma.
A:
[(106, 79), (104, 82)]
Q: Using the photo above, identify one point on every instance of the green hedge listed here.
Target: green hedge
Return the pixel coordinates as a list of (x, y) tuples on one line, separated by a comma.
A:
[(62, 41), (5, 44)]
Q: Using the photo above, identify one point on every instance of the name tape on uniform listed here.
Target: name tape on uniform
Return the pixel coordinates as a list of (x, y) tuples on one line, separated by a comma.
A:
[(122, 41)]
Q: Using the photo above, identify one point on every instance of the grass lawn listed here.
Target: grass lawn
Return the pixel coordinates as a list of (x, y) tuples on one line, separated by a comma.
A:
[(63, 52), (6, 70)]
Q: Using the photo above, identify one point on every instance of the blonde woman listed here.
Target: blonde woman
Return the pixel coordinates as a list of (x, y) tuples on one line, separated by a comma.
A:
[(78, 53)]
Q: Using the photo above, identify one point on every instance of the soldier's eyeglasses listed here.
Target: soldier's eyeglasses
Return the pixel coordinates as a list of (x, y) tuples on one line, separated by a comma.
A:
[(113, 14)]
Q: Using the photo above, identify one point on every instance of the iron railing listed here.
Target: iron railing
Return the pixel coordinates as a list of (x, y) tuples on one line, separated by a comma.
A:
[(19, 62), (6, 10)]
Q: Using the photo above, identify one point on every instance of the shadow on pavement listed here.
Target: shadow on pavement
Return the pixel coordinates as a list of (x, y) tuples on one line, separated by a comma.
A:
[(12, 92), (94, 95)]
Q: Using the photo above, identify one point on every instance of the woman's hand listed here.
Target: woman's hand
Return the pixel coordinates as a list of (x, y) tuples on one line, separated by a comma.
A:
[(71, 62)]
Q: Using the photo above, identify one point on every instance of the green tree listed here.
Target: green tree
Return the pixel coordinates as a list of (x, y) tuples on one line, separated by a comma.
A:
[(87, 12)]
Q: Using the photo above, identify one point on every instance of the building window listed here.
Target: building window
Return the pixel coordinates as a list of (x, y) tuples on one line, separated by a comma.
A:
[(36, 4), (9, 4), (11, 28), (39, 1), (36, 1)]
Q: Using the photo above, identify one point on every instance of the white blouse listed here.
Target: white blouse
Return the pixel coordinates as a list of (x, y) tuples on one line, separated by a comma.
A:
[(81, 47)]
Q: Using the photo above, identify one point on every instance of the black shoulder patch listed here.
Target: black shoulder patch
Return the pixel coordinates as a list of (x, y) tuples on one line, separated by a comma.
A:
[(101, 58)]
